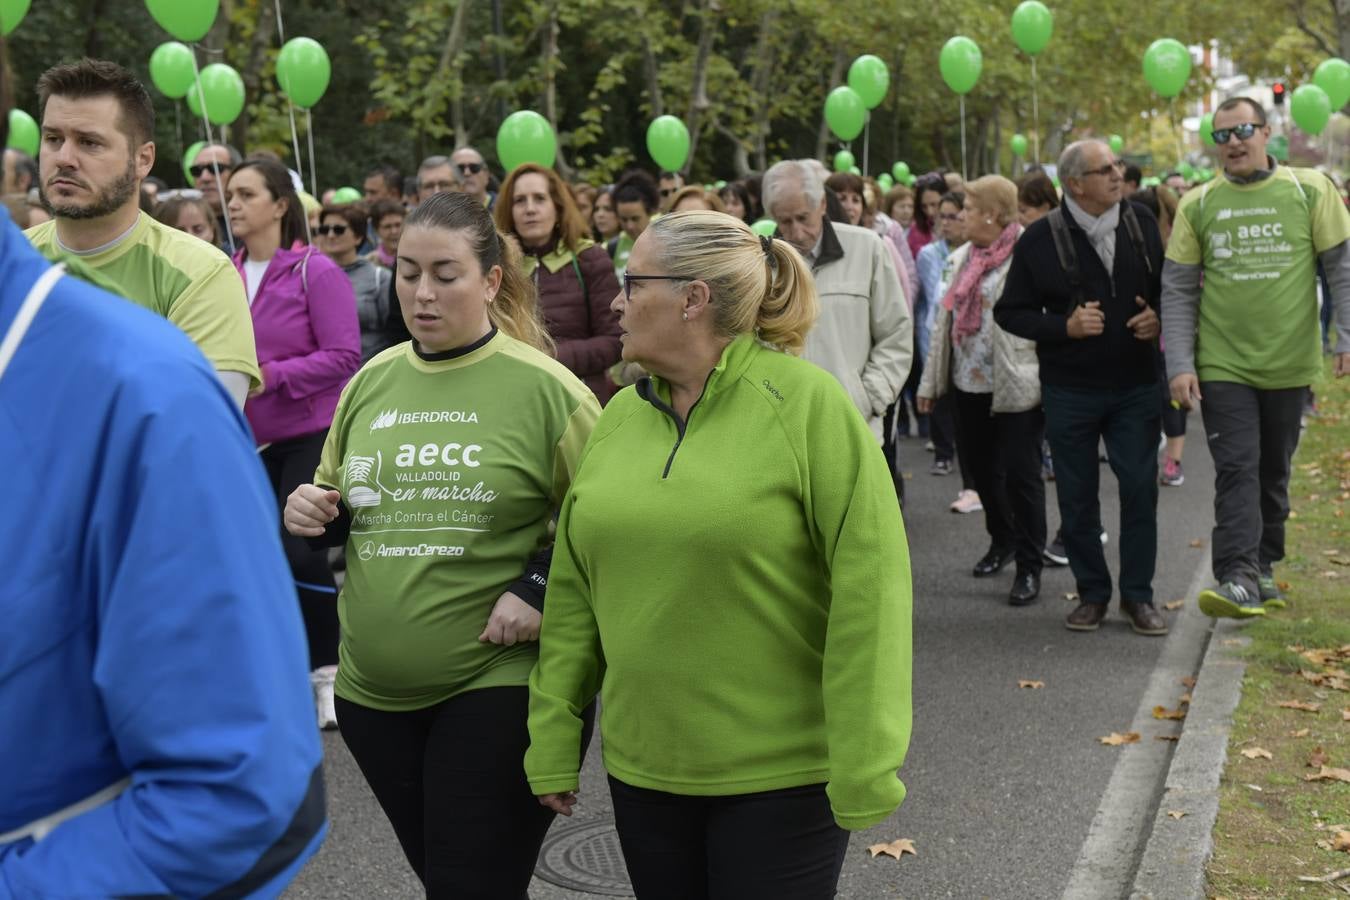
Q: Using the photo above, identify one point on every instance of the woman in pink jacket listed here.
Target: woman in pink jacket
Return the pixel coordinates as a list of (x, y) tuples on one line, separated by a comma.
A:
[(309, 345)]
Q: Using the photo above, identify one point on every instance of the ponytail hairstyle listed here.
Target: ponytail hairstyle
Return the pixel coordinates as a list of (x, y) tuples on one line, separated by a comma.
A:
[(757, 284), (515, 309), (277, 181)]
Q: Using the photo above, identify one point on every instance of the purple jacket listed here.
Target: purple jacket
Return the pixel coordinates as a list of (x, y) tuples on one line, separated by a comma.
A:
[(309, 343)]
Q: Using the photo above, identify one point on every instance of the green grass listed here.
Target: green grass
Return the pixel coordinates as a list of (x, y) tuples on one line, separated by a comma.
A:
[(1265, 839)]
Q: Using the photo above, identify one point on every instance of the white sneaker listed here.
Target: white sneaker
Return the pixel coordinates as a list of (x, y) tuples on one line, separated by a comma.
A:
[(967, 502), (321, 680)]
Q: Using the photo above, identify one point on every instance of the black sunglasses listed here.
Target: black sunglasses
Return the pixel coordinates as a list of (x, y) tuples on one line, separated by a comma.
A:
[(1241, 132), (471, 168), (629, 279), (196, 171), (337, 230)]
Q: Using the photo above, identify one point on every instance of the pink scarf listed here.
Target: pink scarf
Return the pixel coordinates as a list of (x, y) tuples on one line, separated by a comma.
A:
[(964, 295)]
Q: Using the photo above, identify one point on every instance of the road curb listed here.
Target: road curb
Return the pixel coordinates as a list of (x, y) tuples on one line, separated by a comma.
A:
[(1174, 857)]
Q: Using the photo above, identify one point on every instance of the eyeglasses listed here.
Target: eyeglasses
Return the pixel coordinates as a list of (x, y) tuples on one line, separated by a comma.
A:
[(198, 170), (1241, 132), (335, 230), (629, 279), (950, 217), (1113, 166), (666, 192), (470, 168)]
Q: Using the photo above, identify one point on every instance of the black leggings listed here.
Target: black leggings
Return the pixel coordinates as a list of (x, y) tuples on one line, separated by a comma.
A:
[(1173, 419), (451, 780), (782, 844), (291, 463)]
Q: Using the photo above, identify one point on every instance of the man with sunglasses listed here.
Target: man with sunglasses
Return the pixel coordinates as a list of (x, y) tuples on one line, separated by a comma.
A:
[(670, 183), (1241, 329), (98, 126), (210, 171), (473, 175)]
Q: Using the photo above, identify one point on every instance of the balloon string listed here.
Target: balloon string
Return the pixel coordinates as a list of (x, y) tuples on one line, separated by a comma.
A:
[(215, 164), (867, 142), (178, 123), (309, 128), (1176, 132), (1035, 118), (964, 173), (281, 29), (295, 136)]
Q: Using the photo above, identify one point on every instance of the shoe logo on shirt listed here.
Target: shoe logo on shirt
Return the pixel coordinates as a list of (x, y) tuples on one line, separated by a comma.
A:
[(385, 419)]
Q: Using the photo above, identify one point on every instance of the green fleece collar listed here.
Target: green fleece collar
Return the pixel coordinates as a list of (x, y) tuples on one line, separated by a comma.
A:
[(556, 259)]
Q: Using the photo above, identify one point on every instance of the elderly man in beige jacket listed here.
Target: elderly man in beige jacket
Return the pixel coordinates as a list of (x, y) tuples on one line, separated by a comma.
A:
[(865, 336)]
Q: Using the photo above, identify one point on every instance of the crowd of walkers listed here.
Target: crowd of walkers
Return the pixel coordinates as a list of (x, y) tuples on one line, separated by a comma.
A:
[(606, 454)]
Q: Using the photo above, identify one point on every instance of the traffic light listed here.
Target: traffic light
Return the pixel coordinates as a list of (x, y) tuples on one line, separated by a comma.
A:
[(1277, 90)]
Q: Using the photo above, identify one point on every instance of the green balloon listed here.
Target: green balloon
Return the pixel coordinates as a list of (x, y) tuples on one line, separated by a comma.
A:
[(525, 137), (845, 113), (224, 94), (1116, 143), (885, 182), (854, 170), (719, 184), (843, 161), (345, 195), (869, 77), (668, 143), (765, 227), (1018, 143), (960, 63), (1311, 108), (172, 69), (1032, 26), (1167, 66), (11, 14), (1207, 129), (901, 171), (303, 71), (189, 157), (187, 20), (1151, 181), (23, 132), (1333, 76)]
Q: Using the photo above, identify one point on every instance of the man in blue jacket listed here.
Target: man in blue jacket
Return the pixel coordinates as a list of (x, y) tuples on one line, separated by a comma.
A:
[(159, 732)]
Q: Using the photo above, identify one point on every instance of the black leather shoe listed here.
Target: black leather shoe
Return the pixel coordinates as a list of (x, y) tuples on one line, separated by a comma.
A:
[(992, 562), (1026, 588)]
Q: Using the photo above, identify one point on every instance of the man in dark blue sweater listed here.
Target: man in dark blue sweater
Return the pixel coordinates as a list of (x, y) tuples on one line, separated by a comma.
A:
[(1084, 284)]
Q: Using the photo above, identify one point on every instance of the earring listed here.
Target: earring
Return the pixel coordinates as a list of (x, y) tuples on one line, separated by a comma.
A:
[(989, 221), (684, 316)]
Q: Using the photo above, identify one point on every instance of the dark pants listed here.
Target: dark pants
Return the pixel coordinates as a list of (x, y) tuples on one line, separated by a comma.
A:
[(891, 451), (942, 431), (781, 844), (1252, 437), (451, 780), (1076, 419), (1004, 454), (291, 463)]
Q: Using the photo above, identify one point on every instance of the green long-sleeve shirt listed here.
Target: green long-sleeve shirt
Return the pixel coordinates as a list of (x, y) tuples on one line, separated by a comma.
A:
[(737, 590)]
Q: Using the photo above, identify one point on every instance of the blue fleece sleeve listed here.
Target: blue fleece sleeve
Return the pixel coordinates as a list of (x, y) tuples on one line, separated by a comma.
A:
[(200, 663)]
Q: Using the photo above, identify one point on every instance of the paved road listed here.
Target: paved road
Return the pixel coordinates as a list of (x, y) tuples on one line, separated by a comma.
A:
[(1003, 783)]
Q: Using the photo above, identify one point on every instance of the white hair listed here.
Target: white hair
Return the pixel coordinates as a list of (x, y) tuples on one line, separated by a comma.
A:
[(801, 176), (1073, 161)]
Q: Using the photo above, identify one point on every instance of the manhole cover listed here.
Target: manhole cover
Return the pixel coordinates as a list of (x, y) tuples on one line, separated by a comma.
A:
[(585, 857)]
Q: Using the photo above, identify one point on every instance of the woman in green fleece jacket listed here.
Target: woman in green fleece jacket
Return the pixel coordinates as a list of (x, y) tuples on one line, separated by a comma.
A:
[(727, 577)]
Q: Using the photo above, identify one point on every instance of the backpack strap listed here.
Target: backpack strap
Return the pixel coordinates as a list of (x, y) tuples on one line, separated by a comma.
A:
[(1136, 235), (1068, 258)]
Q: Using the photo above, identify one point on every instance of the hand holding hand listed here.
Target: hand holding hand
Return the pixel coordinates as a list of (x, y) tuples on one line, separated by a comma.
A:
[(924, 405), (1087, 321), (560, 803), (1144, 323), (309, 509), (512, 621)]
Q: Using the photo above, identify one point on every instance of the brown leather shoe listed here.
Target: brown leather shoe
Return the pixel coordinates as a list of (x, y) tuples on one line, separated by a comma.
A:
[(1145, 619), (1086, 617)]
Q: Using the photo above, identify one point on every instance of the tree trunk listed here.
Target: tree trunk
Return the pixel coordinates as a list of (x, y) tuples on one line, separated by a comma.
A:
[(1342, 8), (653, 71), (252, 67), (836, 74), (448, 72), (548, 53), (698, 97), (93, 42), (761, 72)]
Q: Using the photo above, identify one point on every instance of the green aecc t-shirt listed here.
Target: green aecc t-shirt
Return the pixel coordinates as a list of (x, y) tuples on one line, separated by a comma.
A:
[(452, 470), (1258, 244)]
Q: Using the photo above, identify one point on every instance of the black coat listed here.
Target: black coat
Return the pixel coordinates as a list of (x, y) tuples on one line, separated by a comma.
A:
[(1037, 302)]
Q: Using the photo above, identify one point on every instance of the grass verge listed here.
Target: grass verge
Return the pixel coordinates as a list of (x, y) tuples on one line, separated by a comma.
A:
[(1274, 824)]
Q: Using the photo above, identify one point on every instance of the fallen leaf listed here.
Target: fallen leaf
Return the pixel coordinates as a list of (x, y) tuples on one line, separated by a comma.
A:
[(1188, 682), (896, 849), (1326, 773), (1176, 813), (1185, 698), (1034, 685), (1167, 737), (1283, 585), (1162, 712), (1339, 562), (1175, 604), (1330, 574), (1301, 733), (1318, 759), (1255, 787), (1257, 753), (1340, 842), (1197, 543), (1345, 714), (1115, 739), (1331, 553), (1296, 704), (1233, 642)]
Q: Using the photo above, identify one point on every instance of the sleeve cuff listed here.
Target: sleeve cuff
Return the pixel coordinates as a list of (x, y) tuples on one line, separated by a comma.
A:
[(554, 784)]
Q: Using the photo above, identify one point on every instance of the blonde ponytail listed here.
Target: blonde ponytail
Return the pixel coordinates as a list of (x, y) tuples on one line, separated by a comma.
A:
[(515, 309), (757, 285)]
